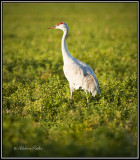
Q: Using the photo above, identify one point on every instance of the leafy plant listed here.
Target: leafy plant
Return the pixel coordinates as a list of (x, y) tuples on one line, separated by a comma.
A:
[(38, 119)]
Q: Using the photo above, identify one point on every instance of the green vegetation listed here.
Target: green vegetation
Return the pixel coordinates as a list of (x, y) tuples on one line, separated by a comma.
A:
[(38, 119)]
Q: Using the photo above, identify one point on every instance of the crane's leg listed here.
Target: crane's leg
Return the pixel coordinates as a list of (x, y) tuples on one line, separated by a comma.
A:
[(87, 98), (71, 91)]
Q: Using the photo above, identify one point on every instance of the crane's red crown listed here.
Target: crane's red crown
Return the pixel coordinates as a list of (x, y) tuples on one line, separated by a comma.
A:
[(59, 23)]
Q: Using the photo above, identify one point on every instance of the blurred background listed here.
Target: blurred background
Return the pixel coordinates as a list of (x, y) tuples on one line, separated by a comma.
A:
[(36, 109)]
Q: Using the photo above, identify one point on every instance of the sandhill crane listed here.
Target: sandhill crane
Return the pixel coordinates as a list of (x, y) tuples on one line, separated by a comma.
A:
[(79, 74)]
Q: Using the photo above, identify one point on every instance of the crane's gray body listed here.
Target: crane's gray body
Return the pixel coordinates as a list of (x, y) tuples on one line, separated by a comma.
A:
[(80, 75)]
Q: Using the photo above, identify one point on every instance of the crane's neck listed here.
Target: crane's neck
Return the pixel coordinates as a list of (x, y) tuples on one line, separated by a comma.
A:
[(65, 52)]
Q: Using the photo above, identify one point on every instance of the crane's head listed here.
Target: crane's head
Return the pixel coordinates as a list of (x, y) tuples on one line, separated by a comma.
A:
[(63, 26)]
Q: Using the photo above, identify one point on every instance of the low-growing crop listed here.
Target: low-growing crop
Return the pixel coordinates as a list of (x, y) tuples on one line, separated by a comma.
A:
[(38, 120)]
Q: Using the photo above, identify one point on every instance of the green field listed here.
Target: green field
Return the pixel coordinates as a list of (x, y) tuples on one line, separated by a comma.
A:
[(38, 119)]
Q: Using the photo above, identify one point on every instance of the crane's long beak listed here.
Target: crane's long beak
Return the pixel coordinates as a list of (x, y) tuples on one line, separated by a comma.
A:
[(52, 27)]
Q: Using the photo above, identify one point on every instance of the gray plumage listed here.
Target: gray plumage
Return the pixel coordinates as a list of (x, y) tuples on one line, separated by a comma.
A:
[(79, 74)]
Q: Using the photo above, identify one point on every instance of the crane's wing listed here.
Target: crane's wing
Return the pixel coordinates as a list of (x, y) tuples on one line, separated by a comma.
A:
[(90, 73), (77, 72)]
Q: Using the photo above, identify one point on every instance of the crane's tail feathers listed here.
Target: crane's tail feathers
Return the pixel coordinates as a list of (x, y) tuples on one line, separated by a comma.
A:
[(94, 93)]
